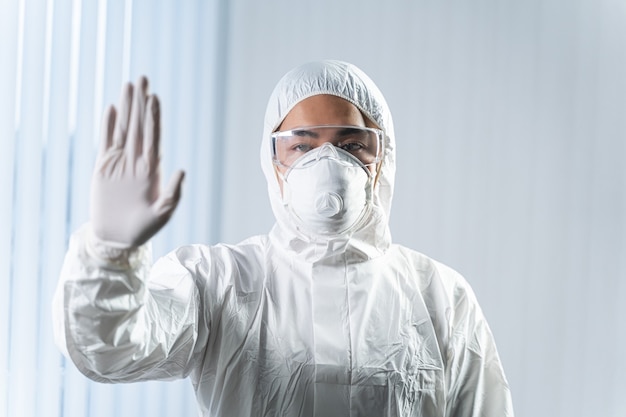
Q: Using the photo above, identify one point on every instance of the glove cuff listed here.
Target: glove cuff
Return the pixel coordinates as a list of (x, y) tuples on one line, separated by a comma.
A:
[(111, 255)]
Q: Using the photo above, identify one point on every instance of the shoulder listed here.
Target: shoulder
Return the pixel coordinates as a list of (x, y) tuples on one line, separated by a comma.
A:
[(194, 255), (221, 265), (435, 273), (445, 291), (455, 312)]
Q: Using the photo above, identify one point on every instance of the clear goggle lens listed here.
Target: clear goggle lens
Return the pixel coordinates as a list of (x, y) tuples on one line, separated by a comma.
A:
[(363, 143)]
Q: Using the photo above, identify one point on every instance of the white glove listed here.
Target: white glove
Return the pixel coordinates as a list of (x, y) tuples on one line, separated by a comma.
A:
[(127, 205)]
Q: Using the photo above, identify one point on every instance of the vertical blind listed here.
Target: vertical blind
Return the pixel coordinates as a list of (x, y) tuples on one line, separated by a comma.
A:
[(511, 137), (63, 61)]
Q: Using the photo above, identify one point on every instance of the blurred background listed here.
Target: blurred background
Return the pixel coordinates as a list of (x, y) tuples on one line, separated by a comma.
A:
[(511, 127)]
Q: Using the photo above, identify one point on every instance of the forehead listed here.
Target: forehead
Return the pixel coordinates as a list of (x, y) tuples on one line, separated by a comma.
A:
[(323, 109)]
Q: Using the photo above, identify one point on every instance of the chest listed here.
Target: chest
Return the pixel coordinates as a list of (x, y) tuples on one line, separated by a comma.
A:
[(336, 339)]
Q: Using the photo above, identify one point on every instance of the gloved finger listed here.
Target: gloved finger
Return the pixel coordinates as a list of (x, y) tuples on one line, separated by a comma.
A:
[(134, 139), (152, 131), (169, 198), (123, 115), (107, 127)]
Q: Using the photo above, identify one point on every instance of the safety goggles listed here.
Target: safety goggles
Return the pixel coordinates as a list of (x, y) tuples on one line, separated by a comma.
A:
[(364, 143)]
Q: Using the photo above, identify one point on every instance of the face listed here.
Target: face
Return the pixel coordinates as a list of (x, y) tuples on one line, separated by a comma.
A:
[(323, 109)]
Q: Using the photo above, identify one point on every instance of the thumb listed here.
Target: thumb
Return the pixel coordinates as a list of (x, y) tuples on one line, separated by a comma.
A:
[(169, 198)]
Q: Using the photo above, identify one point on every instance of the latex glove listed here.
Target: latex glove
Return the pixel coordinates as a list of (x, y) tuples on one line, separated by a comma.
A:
[(127, 204)]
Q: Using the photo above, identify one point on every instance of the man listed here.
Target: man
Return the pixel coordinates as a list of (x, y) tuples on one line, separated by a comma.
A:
[(323, 316)]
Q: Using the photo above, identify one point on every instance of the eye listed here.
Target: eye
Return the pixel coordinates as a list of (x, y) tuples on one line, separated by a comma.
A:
[(352, 146), (301, 147)]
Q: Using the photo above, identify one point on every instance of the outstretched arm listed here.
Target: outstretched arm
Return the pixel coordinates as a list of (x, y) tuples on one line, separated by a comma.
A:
[(116, 317)]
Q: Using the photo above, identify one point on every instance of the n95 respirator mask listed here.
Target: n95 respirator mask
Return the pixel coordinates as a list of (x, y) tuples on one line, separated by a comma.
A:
[(327, 191)]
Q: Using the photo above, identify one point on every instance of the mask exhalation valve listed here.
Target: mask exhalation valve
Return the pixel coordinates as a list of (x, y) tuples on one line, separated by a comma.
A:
[(328, 204)]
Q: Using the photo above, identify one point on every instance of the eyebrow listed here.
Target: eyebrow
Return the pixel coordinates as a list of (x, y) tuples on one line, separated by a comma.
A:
[(305, 132), (341, 132), (348, 130)]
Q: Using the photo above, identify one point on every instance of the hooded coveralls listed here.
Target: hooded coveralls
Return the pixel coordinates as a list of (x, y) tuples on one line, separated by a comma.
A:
[(285, 324)]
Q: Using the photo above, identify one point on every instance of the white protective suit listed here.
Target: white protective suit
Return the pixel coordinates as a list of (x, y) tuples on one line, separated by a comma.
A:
[(281, 325)]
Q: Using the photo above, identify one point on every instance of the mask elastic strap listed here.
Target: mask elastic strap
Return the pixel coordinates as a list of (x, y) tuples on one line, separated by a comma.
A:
[(282, 184)]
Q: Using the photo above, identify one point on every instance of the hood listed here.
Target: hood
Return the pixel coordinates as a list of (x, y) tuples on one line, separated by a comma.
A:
[(347, 81)]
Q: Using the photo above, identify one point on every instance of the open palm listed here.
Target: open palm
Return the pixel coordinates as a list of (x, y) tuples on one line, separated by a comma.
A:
[(127, 204)]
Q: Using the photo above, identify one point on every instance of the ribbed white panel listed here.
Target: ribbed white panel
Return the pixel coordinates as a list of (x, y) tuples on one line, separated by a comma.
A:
[(511, 138), (9, 34), (63, 61)]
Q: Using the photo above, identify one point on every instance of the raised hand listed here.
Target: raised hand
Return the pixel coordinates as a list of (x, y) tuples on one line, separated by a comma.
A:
[(128, 206)]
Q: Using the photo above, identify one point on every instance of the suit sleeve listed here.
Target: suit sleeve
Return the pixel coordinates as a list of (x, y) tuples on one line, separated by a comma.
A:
[(475, 380), (120, 320)]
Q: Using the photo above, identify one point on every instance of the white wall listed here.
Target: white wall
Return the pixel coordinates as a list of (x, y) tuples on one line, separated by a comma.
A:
[(511, 138), (511, 129)]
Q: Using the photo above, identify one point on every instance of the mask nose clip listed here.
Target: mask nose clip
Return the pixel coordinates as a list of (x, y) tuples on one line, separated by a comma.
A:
[(327, 150)]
